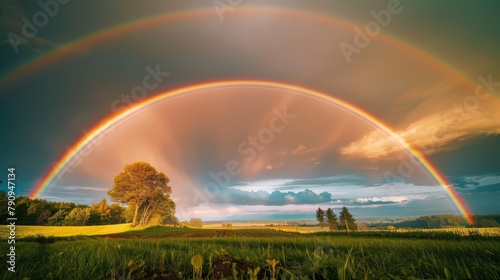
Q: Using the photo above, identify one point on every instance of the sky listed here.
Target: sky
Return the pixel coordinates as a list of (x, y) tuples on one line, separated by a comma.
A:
[(266, 149)]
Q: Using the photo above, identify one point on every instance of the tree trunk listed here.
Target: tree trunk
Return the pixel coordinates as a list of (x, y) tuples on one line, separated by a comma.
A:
[(134, 220), (148, 217), (144, 214)]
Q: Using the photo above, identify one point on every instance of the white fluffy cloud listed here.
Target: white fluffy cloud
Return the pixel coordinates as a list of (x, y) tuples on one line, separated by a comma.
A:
[(392, 199)]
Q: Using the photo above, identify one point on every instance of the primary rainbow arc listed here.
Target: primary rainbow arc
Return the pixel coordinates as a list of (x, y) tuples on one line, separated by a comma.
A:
[(50, 178)]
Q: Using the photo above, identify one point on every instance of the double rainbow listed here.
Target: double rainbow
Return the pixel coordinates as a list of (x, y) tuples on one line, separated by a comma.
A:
[(96, 39)]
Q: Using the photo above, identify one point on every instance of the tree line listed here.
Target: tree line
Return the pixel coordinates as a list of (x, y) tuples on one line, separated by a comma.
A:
[(42, 212), (443, 221), (345, 220), (141, 195)]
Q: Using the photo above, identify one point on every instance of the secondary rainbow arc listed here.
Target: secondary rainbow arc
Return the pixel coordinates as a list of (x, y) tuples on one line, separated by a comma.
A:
[(50, 178), (98, 38)]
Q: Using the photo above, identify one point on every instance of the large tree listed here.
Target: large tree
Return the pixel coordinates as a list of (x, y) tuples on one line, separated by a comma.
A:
[(141, 186), (331, 219), (320, 216), (347, 220)]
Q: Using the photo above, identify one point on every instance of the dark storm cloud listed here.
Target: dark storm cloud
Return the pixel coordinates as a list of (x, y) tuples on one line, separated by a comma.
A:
[(19, 29), (489, 183), (479, 156), (239, 197)]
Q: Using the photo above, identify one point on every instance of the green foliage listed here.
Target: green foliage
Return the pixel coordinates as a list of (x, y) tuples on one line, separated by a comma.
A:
[(37, 211), (443, 221), (347, 220), (42, 212), (331, 219), (77, 217), (58, 218), (320, 217), (141, 186), (485, 223)]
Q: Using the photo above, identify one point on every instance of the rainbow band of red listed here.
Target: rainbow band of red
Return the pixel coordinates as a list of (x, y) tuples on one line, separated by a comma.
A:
[(58, 169)]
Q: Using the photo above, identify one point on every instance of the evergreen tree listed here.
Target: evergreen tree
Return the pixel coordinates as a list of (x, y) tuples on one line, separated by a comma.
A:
[(331, 219), (320, 216), (347, 220)]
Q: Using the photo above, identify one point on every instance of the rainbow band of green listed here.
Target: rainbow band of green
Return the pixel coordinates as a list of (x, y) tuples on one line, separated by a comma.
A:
[(49, 179)]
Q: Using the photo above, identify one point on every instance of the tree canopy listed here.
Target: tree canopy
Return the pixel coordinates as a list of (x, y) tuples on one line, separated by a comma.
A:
[(320, 216), (145, 189), (331, 219), (347, 220)]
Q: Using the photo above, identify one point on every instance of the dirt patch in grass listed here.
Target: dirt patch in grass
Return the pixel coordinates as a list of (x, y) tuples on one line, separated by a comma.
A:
[(148, 274), (226, 267), (121, 235), (157, 275)]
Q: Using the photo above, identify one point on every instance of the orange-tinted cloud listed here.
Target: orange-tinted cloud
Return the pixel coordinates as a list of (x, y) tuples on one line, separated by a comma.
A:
[(434, 133)]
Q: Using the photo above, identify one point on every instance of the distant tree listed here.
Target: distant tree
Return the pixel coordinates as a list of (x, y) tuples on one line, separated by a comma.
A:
[(320, 216), (141, 186), (57, 218), (487, 223), (36, 207), (195, 222), (170, 220), (103, 210), (331, 219), (347, 220), (77, 217), (391, 228), (42, 217), (116, 214)]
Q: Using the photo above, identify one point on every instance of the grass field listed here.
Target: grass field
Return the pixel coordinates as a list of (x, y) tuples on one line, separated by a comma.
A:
[(172, 253), (62, 231), (22, 231)]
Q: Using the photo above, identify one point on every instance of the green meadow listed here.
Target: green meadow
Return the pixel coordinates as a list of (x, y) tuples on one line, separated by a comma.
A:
[(187, 253)]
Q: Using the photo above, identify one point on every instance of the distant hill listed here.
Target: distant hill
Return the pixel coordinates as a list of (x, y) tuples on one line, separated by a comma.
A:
[(442, 221)]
